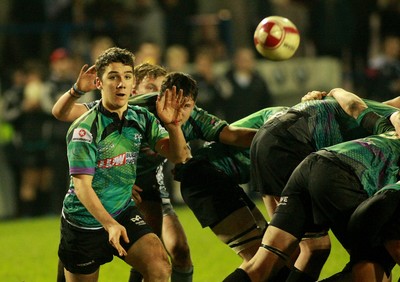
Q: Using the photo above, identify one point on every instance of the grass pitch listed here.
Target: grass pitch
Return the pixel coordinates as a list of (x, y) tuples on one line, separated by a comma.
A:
[(29, 252)]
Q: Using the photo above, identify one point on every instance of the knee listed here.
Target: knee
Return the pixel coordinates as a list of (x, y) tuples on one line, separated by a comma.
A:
[(317, 247), (158, 271), (180, 254)]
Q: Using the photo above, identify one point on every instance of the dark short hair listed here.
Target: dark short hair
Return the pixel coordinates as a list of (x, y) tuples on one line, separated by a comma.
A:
[(114, 55), (182, 81), (150, 70)]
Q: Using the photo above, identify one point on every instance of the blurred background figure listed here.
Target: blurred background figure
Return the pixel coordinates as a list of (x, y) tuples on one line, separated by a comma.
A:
[(36, 171), (209, 97), (178, 25), (62, 72), (243, 89), (97, 46), (177, 58), (148, 52), (383, 73), (11, 116)]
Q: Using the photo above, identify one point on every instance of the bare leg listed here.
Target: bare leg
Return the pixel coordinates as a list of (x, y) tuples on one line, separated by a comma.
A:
[(266, 263), (175, 241), (149, 257), (393, 247), (72, 277), (368, 271), (240, 231), (313, 254)]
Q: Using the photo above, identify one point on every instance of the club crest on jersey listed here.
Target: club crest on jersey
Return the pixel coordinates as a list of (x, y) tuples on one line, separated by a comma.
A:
[(82, 135), (138, 136)]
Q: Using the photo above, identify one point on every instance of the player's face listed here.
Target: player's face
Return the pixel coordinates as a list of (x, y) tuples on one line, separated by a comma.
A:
[(116, 86), (149, 85), (187, 109)]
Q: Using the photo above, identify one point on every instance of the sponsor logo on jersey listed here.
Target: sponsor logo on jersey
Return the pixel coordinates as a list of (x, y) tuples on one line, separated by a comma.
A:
[(122, 159), (81, 135)]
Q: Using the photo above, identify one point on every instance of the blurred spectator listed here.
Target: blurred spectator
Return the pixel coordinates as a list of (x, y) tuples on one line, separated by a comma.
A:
[(148, 52), (148, 22), (389, 14), (213, 31), (12, 114), (27, 40), (61, 78), (331, 39), (383, 74), (177, 58), (36, 174), (243, 89), (334, 40), (59, 17), (177, 21), (98, 45), (209, 97)]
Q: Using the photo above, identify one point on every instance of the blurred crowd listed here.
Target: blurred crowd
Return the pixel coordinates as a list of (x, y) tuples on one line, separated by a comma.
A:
[(44, 43)]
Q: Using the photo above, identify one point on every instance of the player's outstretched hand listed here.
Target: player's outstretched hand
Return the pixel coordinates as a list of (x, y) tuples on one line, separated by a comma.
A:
[(350, 102), (314, 95), (115, 232), (87, 78), (170, 105)]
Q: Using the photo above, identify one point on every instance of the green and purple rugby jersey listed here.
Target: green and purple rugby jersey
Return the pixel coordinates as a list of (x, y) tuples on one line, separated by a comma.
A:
[(102, 145), (200, 126), (235, 161), (373, 159), (326, 123)]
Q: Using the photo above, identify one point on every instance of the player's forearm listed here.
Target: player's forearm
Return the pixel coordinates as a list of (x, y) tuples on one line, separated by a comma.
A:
[(351, 103), (63, 107), (92, 203), (395, 102), (177, 151), (237, 136)]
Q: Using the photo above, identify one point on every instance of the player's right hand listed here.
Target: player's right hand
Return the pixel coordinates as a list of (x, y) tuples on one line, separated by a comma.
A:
[(115, 232), (87, 78), (314, 95)]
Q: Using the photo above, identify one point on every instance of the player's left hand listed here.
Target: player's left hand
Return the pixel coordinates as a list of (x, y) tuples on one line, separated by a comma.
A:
[(169, 106), (115, 232)]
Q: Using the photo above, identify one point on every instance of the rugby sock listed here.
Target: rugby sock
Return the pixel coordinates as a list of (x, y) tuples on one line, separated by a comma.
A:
[(239, 275), (135, 276), (299, 276), (179, 275)]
